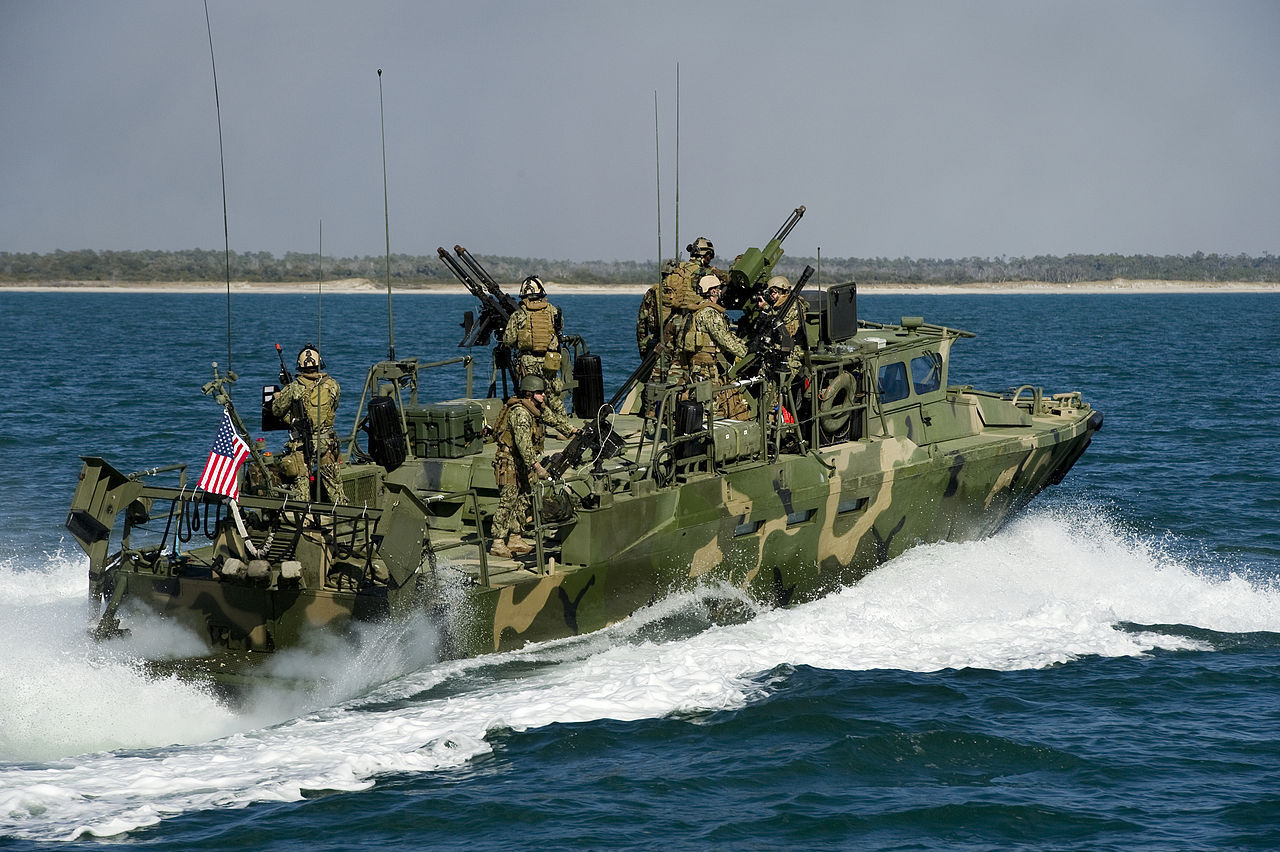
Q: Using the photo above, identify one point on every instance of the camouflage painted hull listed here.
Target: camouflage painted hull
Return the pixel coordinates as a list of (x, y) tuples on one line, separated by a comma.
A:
[(816, 523), (880, 455)]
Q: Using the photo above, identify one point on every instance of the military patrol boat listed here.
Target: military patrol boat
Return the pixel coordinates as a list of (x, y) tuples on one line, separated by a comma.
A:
[(863, 452)]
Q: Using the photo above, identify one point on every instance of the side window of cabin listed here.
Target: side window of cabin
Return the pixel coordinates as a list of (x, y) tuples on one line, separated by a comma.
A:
[(893, 382), (926, 372)]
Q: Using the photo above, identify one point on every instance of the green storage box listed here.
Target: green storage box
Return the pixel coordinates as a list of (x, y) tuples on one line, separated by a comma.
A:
[(446, 430)]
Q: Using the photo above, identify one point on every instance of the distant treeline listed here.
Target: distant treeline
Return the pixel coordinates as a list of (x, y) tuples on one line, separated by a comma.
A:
[(409, 270)]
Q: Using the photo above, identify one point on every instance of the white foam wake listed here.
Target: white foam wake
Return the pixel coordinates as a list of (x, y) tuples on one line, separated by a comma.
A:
[(1049, 589)]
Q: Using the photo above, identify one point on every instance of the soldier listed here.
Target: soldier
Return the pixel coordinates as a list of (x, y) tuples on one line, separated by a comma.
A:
[(516, 464), (776, 293), (772, 300), (680, 286), (533, 334), (679, 296), (648, 320), (308, 404), (705, 337)]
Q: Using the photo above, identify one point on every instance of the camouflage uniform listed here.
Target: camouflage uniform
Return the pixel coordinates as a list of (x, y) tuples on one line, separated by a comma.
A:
[(679, 300), (789, 368), (520, 442), (793, 321), (319, 393), (647, 319), (533, 335), (705, 336)]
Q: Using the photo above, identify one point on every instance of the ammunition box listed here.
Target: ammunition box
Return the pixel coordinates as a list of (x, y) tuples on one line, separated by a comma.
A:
[(736, 439), (446, 430)]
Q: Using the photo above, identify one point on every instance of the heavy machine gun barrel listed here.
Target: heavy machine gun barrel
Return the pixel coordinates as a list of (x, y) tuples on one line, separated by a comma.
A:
[(480, 272), (494, 312), (751, 270)]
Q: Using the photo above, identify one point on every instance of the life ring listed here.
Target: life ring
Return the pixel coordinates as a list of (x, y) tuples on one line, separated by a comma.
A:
[(836, 395)]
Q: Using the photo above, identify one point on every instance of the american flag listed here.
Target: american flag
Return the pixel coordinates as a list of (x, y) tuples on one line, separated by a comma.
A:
[(229, 450)]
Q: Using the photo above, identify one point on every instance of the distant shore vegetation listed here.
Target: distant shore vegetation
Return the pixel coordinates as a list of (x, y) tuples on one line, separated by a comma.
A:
[(411, 270)]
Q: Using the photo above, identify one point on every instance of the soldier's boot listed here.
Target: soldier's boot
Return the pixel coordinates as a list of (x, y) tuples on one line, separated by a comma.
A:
[(517, 545), (499, 549)]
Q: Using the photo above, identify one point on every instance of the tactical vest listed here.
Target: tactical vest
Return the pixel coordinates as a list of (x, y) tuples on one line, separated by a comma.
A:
[(321, 400), (538, 333), (696, 341), (502, 427), (795, 317)]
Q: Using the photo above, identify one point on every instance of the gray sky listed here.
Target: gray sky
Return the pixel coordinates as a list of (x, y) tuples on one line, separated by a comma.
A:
[(922, 129)]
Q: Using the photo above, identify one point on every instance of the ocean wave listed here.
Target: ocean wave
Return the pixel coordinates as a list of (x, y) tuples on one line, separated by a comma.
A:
[(1057, 585)]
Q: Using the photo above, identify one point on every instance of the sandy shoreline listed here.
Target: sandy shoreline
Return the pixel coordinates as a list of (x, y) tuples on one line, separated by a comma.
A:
[(361, 285)]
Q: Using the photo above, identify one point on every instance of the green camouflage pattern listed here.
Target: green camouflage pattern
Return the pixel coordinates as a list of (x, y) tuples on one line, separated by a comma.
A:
[(883, 454)]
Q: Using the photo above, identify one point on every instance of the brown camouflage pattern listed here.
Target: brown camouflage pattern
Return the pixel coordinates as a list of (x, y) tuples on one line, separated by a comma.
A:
[(781, 525)]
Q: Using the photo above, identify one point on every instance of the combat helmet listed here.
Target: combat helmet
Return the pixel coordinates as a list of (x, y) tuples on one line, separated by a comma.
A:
[(309, 360), (532, 288), (701, 249), (780, 283), (532, 384), (706, 284)]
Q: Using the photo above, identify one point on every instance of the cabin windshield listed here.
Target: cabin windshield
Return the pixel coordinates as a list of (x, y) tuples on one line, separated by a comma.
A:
[(893, 382), (926, 372)]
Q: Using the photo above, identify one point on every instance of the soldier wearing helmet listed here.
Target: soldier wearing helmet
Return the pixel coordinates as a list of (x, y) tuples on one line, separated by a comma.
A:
[(775, 295), (516, 465), (679, 288), (309, 404), (706, 342), (533, 335), (668, 305)]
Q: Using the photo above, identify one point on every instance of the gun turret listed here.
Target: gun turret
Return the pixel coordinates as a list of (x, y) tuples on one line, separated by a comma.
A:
[(507, 303), (753, 268), (494, 311)]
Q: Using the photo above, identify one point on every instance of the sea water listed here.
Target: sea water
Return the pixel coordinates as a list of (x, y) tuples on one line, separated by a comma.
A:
[(1103, 673)]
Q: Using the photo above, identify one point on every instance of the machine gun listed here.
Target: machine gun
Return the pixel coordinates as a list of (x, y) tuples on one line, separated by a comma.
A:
[(594, 435), (495, 310), (753, 267), (508, 304), (769, 340)]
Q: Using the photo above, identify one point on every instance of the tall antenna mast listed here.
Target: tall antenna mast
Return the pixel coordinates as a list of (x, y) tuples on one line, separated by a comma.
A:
[(677, 161), (226, 234), (386, 218), (320, 291), (657, 170)]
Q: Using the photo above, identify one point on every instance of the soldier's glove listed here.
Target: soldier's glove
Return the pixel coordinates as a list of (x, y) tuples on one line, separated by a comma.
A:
[(540, 471)]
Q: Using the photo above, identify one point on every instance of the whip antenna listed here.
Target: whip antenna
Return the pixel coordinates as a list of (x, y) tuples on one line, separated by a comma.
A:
[(226, 236), (677, 161), (320, 291), (657, 168), (386, 218)]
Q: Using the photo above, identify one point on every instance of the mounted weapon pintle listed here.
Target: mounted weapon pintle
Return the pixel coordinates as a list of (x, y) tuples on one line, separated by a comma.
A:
[(754, 266)]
